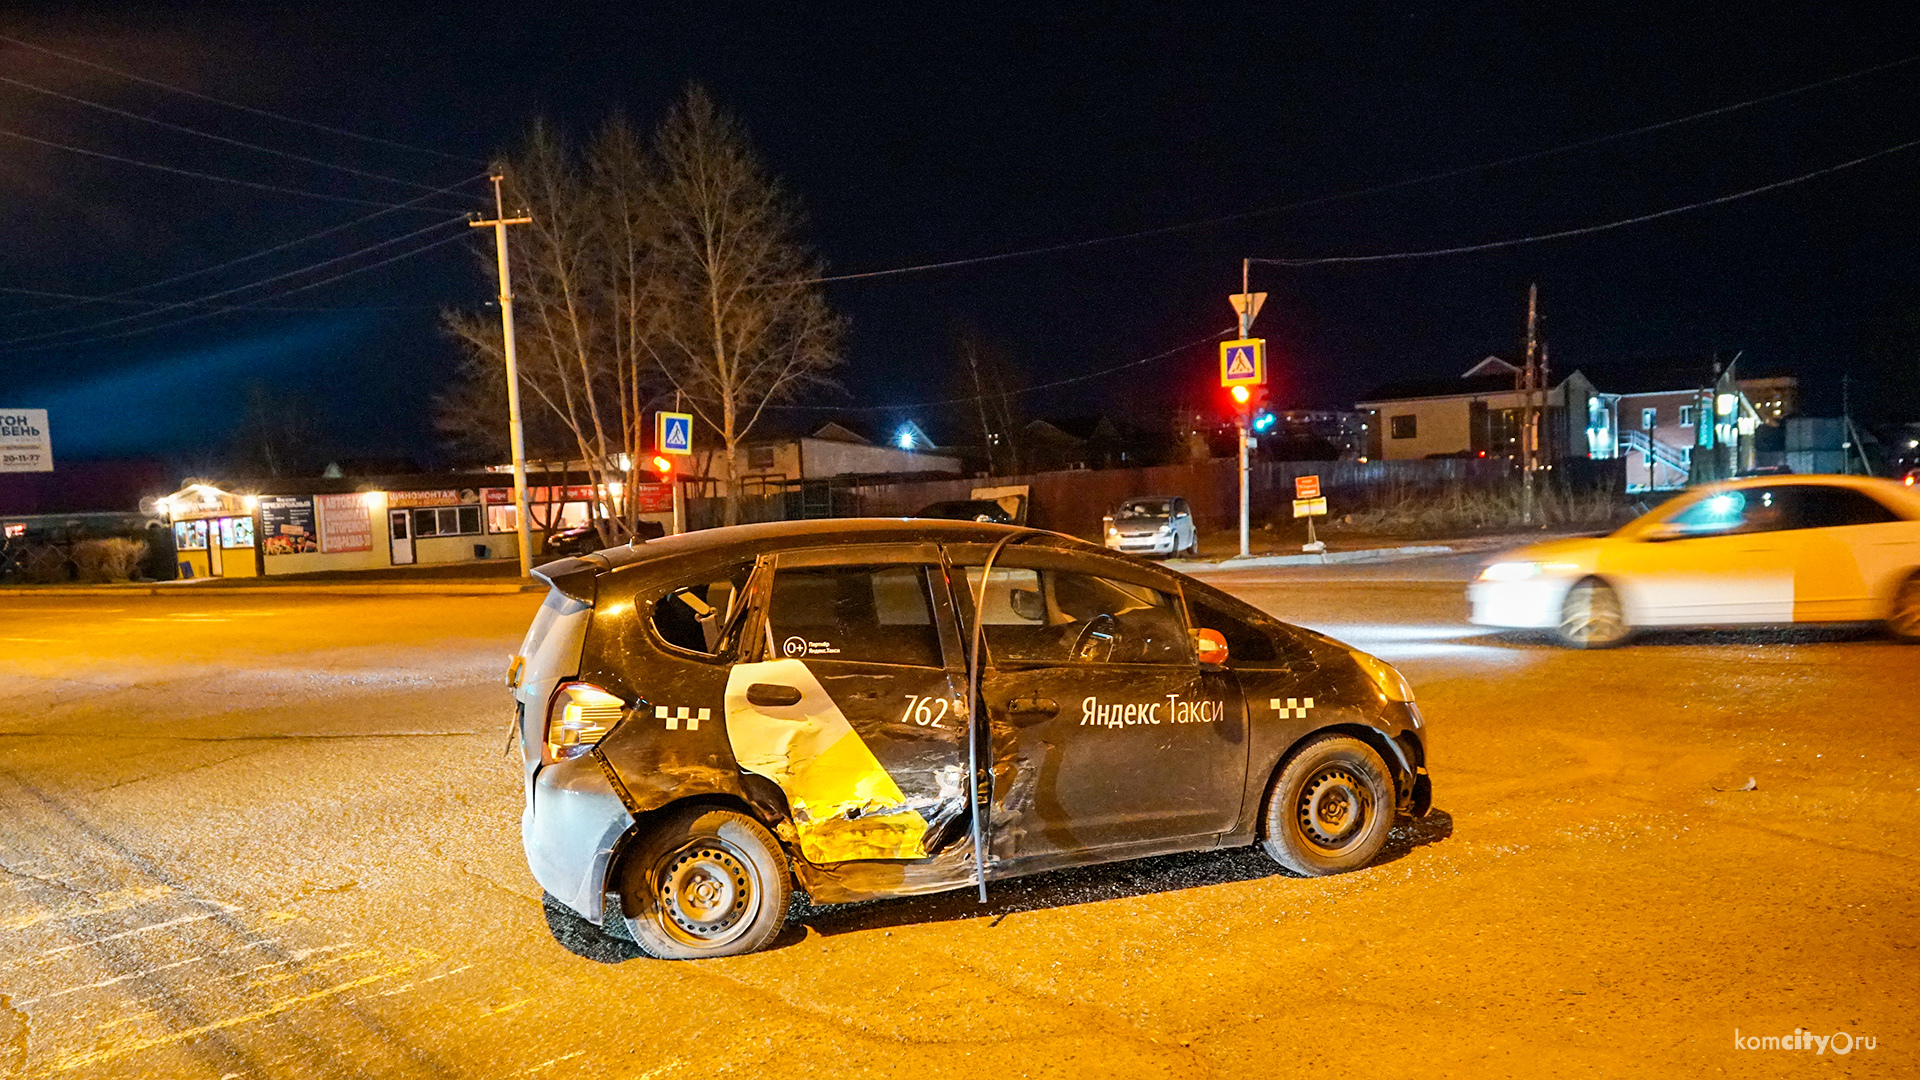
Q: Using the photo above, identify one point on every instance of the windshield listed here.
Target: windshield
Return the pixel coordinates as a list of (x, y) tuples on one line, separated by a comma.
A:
[(1144, 508)]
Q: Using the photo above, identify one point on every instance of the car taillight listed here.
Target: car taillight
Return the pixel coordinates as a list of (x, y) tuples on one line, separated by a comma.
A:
[(578, 715)]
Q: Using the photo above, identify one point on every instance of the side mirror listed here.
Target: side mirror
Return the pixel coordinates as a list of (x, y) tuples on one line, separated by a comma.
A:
[(1210, 646)]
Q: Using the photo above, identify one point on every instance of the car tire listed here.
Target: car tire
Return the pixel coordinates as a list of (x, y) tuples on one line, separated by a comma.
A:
[(1903, 617), (1330, 808), (705, 882), (1591, 617)]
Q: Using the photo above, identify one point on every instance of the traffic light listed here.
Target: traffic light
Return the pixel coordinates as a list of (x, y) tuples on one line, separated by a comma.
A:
[(1241, 395), (1263, 421), (662, 466)]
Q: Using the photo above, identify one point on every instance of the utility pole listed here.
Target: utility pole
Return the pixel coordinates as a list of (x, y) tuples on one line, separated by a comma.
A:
[(1529, 418), (1246, 330), (516, 437)]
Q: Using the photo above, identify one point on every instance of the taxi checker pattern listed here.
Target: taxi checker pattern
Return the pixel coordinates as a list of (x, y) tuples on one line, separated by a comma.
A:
[(856, 800), (683, 715)]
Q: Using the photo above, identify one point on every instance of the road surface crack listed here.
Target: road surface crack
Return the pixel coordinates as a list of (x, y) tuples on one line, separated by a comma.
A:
[(44, 880)]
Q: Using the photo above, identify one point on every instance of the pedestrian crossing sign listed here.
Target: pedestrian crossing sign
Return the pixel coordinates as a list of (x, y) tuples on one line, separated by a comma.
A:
[(675, 432), (1243, 362)]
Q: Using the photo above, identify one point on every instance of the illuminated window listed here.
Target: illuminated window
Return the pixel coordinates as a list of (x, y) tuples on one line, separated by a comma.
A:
[(190, 535)]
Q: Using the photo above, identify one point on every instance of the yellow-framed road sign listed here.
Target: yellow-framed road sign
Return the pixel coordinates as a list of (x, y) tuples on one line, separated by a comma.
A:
[(674, 434), (1243, 362)]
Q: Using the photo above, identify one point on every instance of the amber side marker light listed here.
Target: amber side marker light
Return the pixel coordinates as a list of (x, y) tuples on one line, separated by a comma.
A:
[(578, 716)]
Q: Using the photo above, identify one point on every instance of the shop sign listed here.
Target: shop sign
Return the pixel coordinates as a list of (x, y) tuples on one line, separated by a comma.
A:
[(440, 497), (287, 525), (344, 525), (26, 445)]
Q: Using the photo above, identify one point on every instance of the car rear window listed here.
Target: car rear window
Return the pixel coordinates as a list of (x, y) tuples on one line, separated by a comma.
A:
[(861, 614), (701, 616)]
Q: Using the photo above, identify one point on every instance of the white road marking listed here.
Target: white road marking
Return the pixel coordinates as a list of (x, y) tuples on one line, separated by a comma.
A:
[(123, 933)]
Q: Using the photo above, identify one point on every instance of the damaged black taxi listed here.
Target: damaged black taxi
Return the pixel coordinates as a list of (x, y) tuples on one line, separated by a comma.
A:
[(874, 708)]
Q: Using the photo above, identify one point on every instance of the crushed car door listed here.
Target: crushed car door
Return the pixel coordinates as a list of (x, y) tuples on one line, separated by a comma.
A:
[(851, 708), (1106, 731)]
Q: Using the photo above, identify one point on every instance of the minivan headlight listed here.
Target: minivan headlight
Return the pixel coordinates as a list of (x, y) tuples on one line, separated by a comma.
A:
[(1392, 685)]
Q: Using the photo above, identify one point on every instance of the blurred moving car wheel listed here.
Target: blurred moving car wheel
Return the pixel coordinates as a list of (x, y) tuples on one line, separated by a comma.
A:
[(706, 882), (1330, 808), (1903, 620), (1590, 617)]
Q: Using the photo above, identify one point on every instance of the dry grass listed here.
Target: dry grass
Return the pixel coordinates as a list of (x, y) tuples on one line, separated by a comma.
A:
[(1456, 510), (114, 558)]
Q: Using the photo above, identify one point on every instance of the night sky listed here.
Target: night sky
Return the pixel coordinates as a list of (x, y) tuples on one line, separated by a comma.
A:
[(921, 133)]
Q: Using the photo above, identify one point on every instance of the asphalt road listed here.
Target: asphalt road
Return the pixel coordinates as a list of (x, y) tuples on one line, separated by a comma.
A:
[(277, 837)]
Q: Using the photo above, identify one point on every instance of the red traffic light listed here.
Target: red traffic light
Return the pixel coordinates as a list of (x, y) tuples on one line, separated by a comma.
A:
[(1241, 395), (662, 465)]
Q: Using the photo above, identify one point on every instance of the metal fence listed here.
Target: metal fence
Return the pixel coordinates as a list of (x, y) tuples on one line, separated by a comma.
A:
[(1074, 501)]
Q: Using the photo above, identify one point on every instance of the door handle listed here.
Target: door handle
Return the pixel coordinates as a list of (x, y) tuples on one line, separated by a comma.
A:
[(772, 695)]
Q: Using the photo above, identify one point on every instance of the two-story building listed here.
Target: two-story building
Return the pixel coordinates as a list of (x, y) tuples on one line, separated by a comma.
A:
[(1478, 414), (1674, 421)]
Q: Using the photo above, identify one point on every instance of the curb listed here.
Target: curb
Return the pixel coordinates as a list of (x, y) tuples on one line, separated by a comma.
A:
[(402, 588), (1330, 558)]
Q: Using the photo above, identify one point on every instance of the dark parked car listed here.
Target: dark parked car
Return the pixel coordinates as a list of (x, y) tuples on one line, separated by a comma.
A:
[(582, 539), (709, 719), (967, 510)]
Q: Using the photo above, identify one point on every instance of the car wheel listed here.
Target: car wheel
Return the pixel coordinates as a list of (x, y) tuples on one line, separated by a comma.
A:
[(707, 882), (1903, 619), (1590, 617), (1330, 808)]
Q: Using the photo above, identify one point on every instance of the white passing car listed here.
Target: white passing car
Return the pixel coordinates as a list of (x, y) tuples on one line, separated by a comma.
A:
[(1153, 525), (1758, 551)]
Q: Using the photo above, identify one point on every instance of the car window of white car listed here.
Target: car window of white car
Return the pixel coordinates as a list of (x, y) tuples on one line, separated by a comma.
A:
[(1822, 507), (1729, 513)]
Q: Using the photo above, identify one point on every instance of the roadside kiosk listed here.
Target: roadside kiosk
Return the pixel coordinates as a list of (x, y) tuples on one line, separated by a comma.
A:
[(213, 532)]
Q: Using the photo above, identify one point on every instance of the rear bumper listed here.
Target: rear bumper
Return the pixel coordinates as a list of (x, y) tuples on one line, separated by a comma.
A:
[(1531, 604), (571, 824)]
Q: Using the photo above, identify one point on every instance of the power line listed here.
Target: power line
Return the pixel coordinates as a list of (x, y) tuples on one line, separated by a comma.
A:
[(242, 307), (228, 292), (242, 259), (1376, 189), (242, 143), (14, 291), (205, 176), (1102, 373), (1588, 229), (71, 59)]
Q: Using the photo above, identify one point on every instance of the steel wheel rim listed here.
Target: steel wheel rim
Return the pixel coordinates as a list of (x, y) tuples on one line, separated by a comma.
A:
[(1334, 809), (1592, 616), (707, 890)]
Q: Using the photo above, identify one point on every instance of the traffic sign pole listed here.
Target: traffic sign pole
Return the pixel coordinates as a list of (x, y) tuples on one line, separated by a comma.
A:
[(1246, 329)]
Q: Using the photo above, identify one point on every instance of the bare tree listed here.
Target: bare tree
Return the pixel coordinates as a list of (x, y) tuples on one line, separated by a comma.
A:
[(737, 324), (581, 289), (989, 380)]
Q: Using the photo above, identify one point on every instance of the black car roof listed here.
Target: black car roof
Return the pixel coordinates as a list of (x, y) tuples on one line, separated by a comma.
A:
[(787, 535)]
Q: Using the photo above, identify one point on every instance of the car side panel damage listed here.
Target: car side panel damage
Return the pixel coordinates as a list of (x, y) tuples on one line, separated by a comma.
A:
[(858, 766)]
